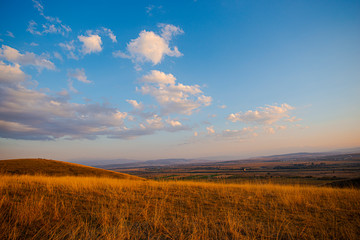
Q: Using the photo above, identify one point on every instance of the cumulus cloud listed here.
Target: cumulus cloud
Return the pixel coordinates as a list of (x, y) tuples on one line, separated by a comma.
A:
[(31, 114), (151, 47), (172, 97), (173, 123), (52, 24), (78, 74), (91, 43), (159, 78), (135, 104), (11, 73), (263, 115), (35, 115), (28, 58)]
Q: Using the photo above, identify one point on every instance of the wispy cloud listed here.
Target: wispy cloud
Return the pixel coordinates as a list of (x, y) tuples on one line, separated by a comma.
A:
[(78, 74), (263, 115), (10, 34), (52, 24)]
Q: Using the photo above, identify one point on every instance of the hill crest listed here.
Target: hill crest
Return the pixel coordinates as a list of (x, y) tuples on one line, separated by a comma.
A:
[(39, 166)]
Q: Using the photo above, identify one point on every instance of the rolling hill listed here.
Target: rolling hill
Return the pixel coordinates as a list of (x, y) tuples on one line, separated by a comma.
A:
[(56, 168)]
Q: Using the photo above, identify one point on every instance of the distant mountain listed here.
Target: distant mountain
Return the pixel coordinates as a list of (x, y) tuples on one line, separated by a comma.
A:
[(97, 162), (155, 163), (300, 156)]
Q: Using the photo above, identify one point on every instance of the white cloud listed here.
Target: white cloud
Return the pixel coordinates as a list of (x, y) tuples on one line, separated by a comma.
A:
[(151, 8), (159, 77), (151, 47), (11, 74), (293, 119), (210, 130), (31, 114), (264, 115), (135, 104), (53, 24), (12, 55), (91, 43), (222, 106), (58, 56), (168, 31), (155, 122), (173, 123), (78, 74), (33, 44), (120, 54), (71, 86), (236, 134), (172, 97), (196, 134), (110, 34), (69, 47), (32, 28), (10, 34), (35, 115)]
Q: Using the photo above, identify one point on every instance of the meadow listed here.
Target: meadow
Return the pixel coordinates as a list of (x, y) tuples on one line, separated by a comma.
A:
[(83, 207)]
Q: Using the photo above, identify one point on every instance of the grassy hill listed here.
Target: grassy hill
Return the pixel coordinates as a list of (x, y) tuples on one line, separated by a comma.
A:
[(44, 207), (38, 202), (56, 168)]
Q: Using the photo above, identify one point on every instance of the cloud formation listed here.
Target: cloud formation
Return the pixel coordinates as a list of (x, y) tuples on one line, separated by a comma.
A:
[(78, 74), (151, 47), (11, 73), (110, 34), (135, 104), (28, 58), (171, 96), (9, 34), (52, 24), (239, 134), (91, 43), (263, 115), (30, 114)]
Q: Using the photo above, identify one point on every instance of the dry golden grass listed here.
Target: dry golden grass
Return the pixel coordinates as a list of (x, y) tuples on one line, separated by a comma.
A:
[(36, 166), (43, 207)]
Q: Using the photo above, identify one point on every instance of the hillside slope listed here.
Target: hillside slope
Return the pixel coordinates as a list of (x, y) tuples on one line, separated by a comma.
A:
[(56, 168), (42, 207)]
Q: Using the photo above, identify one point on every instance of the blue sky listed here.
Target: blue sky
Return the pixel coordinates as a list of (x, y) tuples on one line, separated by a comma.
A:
[(164, 79)]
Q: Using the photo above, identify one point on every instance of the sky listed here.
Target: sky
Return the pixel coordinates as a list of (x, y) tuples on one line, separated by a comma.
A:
[(178, 79)]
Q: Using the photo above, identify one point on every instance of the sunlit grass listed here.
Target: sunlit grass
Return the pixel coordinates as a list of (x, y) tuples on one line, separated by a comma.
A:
[(43, 207)]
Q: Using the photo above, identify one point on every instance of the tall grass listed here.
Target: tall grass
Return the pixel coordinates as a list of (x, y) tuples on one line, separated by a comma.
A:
[(39, 207)]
